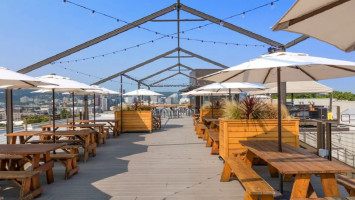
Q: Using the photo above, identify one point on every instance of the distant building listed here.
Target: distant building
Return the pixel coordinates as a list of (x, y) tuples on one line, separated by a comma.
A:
[(104, 104), (173, 99)]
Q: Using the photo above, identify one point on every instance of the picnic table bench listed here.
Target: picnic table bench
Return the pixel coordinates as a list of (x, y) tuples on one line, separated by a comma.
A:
[(213, 140), (32, 153), (112, 124), (86, 138), (201, 128), (254, 185), (23, 180), (23, 136), (298, 162), (348, 183), (98, 134)]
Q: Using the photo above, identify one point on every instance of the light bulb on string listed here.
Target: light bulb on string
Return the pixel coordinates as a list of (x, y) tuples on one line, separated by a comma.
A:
[(93, 12), (243, 14), (221, 23), (272, 5), (199, 28)]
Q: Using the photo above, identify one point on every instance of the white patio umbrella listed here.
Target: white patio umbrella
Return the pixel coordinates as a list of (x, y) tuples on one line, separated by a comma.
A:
[(99, 90), (330, 21), (63, 84), (229, 87), (14, 80), (284, 67), (142, 92)]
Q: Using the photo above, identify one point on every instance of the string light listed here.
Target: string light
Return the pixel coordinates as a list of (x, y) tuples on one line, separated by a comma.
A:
[(164, 35)]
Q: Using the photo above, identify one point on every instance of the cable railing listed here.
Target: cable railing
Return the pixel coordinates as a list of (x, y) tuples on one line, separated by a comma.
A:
[(343, 149)]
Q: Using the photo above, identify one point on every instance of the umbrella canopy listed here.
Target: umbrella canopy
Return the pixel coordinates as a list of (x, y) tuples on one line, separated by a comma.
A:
[(98, 90), (13, 80), (330, 21), (294, 67), (142, 92), (226, 87), (64, 84), (300, 87), (207, 93)]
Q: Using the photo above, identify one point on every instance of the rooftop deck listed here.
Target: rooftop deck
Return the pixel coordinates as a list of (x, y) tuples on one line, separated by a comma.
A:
[(167, 164)]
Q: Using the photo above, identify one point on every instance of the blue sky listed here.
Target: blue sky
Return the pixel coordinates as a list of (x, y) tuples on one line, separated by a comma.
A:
[(32, 30)]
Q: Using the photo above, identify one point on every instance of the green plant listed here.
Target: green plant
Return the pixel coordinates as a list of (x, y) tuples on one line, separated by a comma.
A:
[(207, 105), (64, 114), (231, 110), (250, 107), (36, 119)]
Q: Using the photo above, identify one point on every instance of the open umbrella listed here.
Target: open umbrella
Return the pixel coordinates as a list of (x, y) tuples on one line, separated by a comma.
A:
[(330, 21), (14, 80), (228, 87), (283, 67), (98, 90), (63, 84), (142, 92)]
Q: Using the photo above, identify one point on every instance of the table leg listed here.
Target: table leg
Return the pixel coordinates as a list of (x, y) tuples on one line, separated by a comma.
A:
[(86, 148), (274, 173), (300, 186), (93, 151), (13, 139), (49, 172), (330, 185), (249, 158), (22, 139), (226, 174), (35, 165)]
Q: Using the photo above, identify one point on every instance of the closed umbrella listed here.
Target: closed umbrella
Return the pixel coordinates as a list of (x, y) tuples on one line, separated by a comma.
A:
[(331, 21), (283, 67)]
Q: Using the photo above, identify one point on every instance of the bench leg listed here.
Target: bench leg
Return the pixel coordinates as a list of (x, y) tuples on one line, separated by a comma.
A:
[(273, 171), (209, 142), (250, 197), (226, 174), (205, 135), (214, 150), (49, 173), (25, 187), (68, 168)]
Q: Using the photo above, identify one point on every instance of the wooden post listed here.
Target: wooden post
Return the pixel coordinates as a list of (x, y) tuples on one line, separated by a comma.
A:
[(9, 114), (328, 127), (338, 115), (320, 136), (25, 124)]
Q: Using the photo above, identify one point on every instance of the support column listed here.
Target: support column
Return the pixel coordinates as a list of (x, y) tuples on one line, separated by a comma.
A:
[(330, 101), (139, 87), (86, 108), (9, 113), (121, 107)]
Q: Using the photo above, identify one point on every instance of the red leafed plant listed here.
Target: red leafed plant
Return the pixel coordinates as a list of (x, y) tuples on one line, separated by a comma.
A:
[(250, 107)]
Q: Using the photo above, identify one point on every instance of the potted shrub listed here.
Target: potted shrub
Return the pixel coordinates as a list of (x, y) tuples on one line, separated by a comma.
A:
[(253, 119), (136, 118)]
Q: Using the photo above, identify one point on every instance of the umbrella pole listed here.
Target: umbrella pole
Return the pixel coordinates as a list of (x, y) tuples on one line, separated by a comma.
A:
[(73, 110), (53, 114), (94, 108), (230, 95), (279, 120), (211, 104)]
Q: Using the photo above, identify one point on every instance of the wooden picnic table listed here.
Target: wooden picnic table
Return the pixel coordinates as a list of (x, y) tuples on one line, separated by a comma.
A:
[(32, 153), (99, 134), (23, 136), (113, 124), (86, 137), (298, 162)]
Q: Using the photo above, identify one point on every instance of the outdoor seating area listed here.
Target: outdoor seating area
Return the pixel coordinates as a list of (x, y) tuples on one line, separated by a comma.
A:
[(268, 114)]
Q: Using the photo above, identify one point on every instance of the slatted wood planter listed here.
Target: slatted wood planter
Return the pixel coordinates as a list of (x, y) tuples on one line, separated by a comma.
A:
[(208, 112), (233, 131), (136, 121)]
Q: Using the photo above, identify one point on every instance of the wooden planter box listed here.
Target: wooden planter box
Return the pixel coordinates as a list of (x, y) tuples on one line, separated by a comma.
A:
[(233, 131), (135, 121), (208, 112)]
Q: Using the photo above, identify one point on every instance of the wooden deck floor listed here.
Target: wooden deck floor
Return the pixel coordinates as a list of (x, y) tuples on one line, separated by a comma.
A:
[(167, 164)]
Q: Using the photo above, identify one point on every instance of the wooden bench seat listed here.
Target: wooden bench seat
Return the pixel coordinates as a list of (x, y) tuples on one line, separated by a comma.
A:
[(69, 161), (51, 141), (23, 180), (254, 185), (201, 128), (213, 140), (348, 183), (11, 162)]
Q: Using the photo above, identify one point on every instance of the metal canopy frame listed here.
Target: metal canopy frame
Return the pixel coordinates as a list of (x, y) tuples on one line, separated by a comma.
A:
[(169, 85), (166, 78)]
